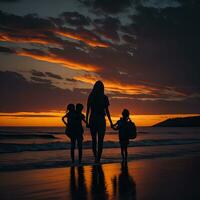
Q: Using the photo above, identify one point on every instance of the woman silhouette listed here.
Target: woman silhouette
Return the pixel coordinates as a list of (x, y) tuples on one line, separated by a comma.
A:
[(97, 108)]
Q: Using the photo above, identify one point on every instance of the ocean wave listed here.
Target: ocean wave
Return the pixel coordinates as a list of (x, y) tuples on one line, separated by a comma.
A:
[(89, 161), (14, 147), (27, 136)]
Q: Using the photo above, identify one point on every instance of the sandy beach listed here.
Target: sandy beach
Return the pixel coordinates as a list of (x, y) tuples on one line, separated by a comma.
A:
[(161, 178)]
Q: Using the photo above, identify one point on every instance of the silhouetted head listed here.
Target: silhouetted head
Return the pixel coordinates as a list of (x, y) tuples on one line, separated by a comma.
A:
[(70, 107), (98, 89), (125, 114), (79, 107)]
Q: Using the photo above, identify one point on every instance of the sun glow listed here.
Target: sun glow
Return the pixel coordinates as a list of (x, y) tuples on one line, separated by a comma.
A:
[(54, 118)]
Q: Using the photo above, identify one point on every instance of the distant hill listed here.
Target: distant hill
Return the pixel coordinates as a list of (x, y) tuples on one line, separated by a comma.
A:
[(180, 122)]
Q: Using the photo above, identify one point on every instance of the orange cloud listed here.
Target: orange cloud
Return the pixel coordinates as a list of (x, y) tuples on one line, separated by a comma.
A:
[(116, 86), (75, 36), (135, 89), (45, 40), (28, 39), (58, 60)]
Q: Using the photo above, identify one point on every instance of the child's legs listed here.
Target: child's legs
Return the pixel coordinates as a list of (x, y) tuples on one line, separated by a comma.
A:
[(80, 142), (126, 152), (73, 144), (122, 151), (126, 149)]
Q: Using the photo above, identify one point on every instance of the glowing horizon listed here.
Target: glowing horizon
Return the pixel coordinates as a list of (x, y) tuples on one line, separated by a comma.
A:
[(48, 119)]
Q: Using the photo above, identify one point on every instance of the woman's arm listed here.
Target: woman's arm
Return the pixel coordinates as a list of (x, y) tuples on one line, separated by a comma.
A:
[(63, 119), (115, 126), (109, 117), (87, 113), (87, 125), (83, 119)]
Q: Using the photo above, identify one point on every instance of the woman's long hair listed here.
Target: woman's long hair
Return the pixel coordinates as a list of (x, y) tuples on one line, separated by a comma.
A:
[(98, 91)]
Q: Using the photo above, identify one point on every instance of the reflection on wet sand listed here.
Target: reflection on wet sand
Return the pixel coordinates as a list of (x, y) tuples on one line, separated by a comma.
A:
[(98, 184), (78, 186), (96, 187), (167, 178), (124, 186)]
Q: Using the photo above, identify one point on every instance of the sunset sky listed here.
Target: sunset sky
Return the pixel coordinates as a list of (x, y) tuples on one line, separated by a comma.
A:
[(145, 51)]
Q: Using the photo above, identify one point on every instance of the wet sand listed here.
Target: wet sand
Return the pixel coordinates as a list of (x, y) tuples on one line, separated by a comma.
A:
[(161, 178)]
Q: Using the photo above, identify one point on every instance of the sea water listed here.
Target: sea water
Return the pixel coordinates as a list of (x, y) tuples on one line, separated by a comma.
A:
[(43, 147)]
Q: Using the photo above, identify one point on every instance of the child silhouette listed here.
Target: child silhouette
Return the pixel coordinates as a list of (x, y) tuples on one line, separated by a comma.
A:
[(69, 121), (74, 128), (78, 133), (121, 125)]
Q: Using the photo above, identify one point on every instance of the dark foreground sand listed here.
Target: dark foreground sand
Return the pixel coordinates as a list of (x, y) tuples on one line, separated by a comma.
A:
[(167, 178)]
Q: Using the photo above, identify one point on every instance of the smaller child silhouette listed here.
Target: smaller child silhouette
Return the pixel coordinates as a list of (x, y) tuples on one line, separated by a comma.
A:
[(70, 115), (78, 129), (123, 134), (70, 124)]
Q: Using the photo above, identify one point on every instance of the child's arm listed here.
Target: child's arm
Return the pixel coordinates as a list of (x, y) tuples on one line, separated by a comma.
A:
[(88, 112), (115, 126), (63, 119), (109, 117), (84, 120)]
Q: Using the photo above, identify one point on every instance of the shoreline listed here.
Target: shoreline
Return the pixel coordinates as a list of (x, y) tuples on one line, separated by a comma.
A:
[(67, 164), (161, 178)]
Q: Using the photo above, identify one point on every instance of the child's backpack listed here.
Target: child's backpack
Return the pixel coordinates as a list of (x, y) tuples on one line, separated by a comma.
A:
[(131, 130)]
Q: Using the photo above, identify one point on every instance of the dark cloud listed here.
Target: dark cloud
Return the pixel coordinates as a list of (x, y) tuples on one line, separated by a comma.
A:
[(35, 51), (9, 1), (137, 106), (6, 50), (108, 6), (37, 73), (30, 21), (75, 19), (18, 95), (30, 29), (41, 80), (52, 75), (108, 27), (168, 45), (71, 80), (189, 3), (129, 39)]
